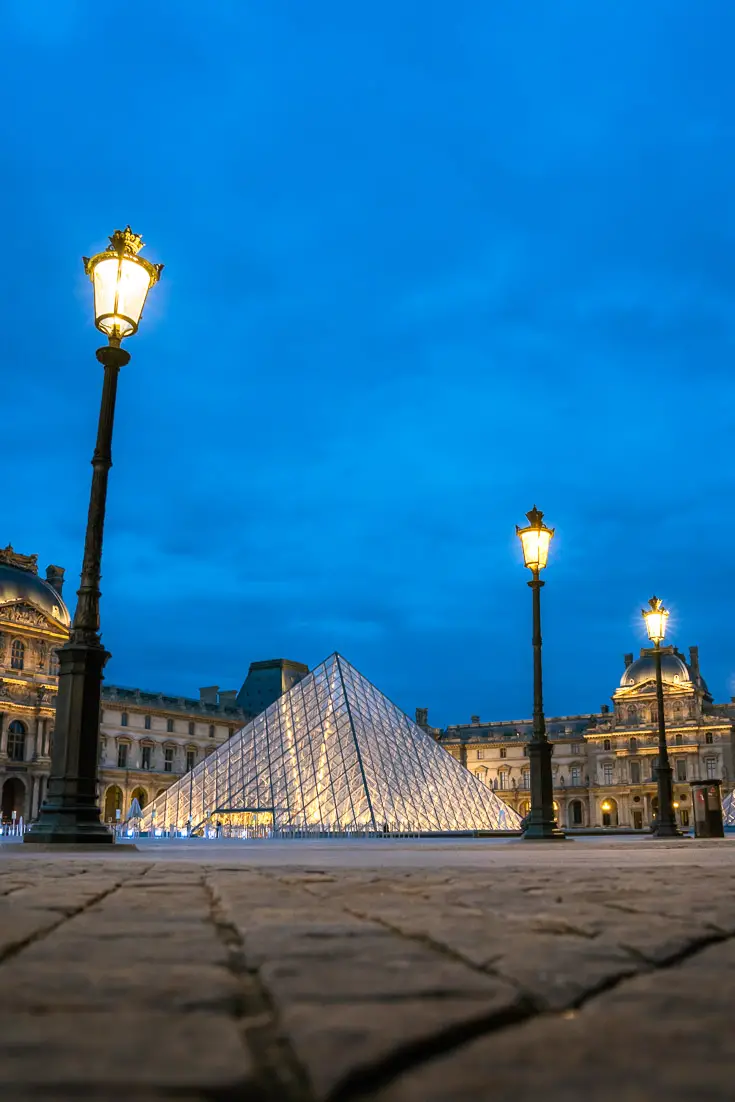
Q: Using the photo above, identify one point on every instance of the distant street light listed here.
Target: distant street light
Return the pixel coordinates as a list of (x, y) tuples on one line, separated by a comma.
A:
[(655, 618), (541, 821), (70, 811)]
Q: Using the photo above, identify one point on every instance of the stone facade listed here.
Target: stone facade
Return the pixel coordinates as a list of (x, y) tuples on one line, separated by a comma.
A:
[(604, 762), (147, 740), (34, 621)]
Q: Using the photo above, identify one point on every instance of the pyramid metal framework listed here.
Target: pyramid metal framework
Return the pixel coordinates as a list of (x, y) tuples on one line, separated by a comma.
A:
[(333, 753)]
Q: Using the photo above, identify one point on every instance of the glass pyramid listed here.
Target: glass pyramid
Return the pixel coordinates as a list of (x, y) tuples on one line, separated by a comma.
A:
[(332, 753)]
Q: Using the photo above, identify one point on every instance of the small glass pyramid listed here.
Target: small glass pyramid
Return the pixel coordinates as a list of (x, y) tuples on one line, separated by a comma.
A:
[(728, 810), (332, 753)]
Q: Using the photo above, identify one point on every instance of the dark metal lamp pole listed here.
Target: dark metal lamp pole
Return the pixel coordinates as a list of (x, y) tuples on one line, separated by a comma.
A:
[(655, 618), (70, 812), (541, 821)]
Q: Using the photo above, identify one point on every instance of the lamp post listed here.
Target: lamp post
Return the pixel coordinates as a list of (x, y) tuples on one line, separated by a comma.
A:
[(541, 821), (655, 618), (70, 811)]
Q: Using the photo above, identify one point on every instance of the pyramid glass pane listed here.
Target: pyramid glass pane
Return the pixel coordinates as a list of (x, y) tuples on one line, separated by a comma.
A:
[(333, 753)]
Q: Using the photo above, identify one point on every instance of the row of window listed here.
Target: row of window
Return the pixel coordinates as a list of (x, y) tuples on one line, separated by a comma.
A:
[(709, 738), (146, 757), (18, 658), (170, 726)]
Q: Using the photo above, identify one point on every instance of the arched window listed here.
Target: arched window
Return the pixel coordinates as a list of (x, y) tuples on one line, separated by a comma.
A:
[(17, 741), (678, 738), (17, 654), (606, 744)]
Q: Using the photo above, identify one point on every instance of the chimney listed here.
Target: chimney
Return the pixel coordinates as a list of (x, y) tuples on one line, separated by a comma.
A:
[(422, 717), (208, 695), (474, 719), (628, 659), (694, 664), (55, 578), (228, 698)]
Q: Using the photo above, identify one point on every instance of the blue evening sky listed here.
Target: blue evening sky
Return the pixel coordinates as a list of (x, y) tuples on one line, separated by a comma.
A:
[(427, 263)]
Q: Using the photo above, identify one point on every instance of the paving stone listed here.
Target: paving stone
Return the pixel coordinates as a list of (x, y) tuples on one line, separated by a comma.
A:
[(340, 1043), (666, 1034), (121, 1052)]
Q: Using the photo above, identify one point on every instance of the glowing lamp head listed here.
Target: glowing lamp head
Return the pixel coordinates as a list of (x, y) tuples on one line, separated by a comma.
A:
[(655, 618), (535, 540), (606, 805), (121, 280)]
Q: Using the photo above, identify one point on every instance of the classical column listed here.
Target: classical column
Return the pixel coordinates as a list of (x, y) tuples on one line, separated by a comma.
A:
[(3, 734)]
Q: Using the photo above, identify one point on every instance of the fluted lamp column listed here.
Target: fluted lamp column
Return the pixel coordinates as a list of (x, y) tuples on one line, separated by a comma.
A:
[(541, 821), (70, 812), (655, 617)]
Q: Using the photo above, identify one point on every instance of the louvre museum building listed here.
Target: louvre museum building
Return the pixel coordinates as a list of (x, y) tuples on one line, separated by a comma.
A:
[(324, 749)]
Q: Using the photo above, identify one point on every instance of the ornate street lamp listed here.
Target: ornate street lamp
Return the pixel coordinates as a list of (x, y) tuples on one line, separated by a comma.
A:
[(655, 617), (70, 811), (541, 821)]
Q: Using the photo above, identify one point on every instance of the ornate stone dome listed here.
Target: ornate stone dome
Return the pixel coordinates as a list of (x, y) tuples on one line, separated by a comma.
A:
[(24, 585), (673, 670)]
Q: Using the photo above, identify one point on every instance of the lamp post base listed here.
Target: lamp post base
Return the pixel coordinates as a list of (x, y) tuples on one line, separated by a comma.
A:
[(70, 813), (541, 825)]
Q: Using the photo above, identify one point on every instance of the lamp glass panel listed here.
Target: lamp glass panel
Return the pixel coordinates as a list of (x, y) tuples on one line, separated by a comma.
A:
[(105, 291), (656, 625), (535, 542), (132, 290)]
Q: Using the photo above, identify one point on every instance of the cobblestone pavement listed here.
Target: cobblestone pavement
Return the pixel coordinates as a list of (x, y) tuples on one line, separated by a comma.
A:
[(394, 972)]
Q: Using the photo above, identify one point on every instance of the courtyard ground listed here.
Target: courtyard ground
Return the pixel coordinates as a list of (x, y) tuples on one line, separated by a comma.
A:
[(394, 971)]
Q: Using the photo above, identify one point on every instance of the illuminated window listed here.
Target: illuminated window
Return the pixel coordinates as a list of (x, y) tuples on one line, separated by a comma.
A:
[(145, 757), (122, 755), (168, 759), (684, 816), (17, 655), (16, 740)]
